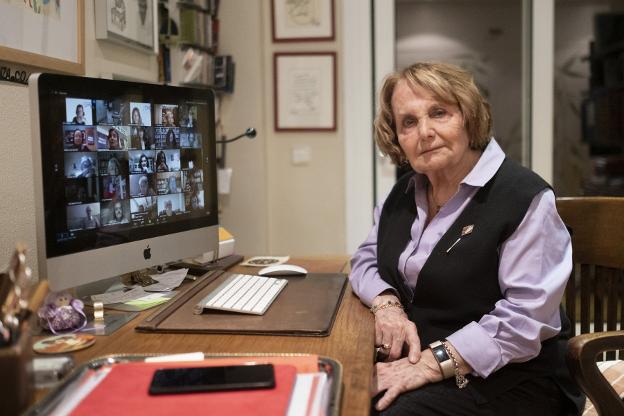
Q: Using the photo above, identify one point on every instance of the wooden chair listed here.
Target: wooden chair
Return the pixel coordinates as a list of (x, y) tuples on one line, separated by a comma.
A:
[(597, 283)]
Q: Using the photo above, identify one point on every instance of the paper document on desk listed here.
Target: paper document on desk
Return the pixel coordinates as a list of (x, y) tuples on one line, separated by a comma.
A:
[(151, 299), (136, 296), (167, 281), (120, 296)]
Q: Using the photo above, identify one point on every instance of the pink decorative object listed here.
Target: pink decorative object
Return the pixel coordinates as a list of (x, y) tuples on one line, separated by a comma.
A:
[(61, 313)]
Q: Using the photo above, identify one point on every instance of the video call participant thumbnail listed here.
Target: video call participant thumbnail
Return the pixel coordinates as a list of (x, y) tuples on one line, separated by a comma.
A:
[(143, 211), (167, 160), (113, 187), (194, 200), (170, 205), (111, 112), (190, 138), (142, 185), (83, 217), (113, 163), (140, 114), (81, 190), (78, 138), (141, 161), (166, 115), (161, 162), (190, 159), (141, 138), (80, 164), (115, 212), (79, 111), (188, 115), (118, 137), (168, 183), (166, 137), (192, 179)]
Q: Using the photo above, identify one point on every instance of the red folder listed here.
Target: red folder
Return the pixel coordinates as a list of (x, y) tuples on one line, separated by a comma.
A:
[(124, 391)]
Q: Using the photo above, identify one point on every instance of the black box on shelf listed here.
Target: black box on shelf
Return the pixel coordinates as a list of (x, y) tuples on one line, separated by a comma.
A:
[(223, 71)]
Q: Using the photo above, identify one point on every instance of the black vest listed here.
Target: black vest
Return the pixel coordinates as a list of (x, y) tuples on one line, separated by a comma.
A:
[(461, 285)]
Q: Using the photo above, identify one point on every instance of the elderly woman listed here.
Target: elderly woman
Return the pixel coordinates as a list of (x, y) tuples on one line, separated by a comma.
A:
[(466, 263)]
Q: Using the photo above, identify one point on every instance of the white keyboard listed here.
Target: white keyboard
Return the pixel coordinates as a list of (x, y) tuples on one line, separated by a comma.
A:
[(243, 293)]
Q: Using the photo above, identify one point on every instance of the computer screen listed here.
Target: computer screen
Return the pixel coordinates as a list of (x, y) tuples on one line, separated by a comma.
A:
[(125, 176)]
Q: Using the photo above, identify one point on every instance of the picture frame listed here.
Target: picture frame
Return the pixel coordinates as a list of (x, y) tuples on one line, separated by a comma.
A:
[(132, 23), (37, 33), (304, 91), (302, 20)]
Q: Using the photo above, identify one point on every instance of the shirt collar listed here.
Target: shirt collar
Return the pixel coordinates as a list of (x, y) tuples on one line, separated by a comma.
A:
[(491, 159)]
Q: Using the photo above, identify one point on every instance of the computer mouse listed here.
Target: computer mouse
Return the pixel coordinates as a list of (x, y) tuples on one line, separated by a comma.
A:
[(283, 270)]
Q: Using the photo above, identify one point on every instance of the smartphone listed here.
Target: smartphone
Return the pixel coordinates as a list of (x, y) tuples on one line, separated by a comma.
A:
[(196, 379)]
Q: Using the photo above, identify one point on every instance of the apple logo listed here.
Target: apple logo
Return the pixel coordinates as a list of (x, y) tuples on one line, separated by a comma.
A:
[(147, 253)]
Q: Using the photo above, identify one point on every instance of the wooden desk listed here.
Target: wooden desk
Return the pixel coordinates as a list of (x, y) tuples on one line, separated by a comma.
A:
[(350, 342)]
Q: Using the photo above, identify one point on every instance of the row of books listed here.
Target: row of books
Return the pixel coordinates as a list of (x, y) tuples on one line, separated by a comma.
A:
[(192, 66), (199, 29)]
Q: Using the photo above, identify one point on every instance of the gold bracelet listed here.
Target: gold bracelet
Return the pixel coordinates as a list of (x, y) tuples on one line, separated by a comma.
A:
[(460, 380), (388, 304)]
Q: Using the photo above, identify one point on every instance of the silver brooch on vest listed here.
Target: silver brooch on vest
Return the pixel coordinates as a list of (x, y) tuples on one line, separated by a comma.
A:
[(465, 231)]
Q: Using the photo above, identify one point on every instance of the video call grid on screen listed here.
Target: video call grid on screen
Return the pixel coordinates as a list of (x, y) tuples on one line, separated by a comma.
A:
[(111, 154), (129, 165)]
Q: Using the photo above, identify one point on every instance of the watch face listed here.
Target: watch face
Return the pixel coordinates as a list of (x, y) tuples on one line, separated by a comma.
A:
[(440, 354)]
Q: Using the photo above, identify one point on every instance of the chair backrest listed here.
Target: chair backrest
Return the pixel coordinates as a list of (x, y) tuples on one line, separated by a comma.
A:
[(597, 281)]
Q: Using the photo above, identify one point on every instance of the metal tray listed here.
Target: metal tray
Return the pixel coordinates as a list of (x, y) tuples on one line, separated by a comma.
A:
[(331, 367)]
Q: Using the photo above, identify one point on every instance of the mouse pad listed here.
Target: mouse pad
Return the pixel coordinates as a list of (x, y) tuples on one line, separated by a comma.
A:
[(306, 307)]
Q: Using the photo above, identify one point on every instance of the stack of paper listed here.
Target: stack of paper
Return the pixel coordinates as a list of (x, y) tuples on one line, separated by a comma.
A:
[(140, 298)]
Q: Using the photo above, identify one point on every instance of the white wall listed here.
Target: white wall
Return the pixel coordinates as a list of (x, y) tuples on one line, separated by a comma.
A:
[(277, 207), (244, 212), (306, 213), (17, 201)]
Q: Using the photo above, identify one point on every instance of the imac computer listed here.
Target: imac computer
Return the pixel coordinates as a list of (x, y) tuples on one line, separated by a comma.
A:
[(125, 176)]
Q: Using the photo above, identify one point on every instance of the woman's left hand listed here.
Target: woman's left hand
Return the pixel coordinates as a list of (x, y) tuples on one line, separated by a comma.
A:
[(399, 376)]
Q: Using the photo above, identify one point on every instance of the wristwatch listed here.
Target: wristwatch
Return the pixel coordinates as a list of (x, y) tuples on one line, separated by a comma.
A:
[(444, 361)]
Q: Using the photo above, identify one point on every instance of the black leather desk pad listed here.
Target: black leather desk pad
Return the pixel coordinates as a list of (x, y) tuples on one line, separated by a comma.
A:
[(307, 306)]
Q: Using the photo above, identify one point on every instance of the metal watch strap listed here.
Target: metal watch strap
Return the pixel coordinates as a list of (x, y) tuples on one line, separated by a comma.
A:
[(444, 361)]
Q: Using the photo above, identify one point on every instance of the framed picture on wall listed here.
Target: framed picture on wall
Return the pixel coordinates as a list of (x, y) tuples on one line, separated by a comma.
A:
[(304, 91), (133, 23), (302, 20), (47, 35)]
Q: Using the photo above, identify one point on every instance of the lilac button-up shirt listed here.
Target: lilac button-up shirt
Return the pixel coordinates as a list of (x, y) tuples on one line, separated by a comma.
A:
[(535, 263)]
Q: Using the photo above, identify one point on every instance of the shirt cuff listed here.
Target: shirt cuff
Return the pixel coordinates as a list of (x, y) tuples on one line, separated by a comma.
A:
[(373, 289), (477, 348)]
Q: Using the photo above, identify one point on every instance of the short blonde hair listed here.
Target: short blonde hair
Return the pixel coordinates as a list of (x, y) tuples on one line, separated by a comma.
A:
[(449, 84)]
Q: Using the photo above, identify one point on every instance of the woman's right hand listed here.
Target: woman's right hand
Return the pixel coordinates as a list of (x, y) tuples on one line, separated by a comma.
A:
[(394, 329)]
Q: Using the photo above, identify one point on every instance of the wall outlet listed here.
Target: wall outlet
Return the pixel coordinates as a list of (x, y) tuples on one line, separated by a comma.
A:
[(301, 155)]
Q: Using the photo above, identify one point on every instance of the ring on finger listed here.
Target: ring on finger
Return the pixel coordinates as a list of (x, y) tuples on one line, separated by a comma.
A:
[(385, 346)]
